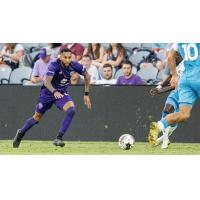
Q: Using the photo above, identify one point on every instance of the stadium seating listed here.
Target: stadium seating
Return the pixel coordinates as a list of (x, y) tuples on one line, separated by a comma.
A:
[(138, 57), (20, 74), (32, 49), (161, 55), (5, 74), (148, 74), (160, 74)]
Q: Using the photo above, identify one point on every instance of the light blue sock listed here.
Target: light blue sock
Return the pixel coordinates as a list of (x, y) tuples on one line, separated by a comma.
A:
[(164, 123)]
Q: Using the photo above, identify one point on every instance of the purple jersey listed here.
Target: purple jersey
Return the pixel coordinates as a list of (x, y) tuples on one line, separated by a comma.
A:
[(62, 75), (133, 80)]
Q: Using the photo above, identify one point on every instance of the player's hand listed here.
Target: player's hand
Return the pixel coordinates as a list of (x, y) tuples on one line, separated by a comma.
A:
[(154, 91), (87, 101), (174, 81), (58, 95)]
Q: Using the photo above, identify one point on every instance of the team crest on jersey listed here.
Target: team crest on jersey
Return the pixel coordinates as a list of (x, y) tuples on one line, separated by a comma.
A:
[(64, 81), (40, 105), (60, 72)]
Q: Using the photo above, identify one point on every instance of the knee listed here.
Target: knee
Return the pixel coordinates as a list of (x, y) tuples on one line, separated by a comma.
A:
[(184, 116), (37, 116), (168, 109), (71, 111)]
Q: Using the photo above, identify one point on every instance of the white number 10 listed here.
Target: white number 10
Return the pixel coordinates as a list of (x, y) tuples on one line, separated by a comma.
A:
[(187, 51)]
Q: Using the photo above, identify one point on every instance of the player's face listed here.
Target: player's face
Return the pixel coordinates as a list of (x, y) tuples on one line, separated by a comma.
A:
[(127, 69), (86, 61), (107, 73), (66, 58)]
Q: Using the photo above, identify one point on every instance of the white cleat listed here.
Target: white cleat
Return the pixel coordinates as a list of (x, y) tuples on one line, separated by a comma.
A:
[(165, 144), (159, 140), (164, 139)]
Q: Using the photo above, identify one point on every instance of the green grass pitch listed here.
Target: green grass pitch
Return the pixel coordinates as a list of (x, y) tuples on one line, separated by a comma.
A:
[(95, 148)]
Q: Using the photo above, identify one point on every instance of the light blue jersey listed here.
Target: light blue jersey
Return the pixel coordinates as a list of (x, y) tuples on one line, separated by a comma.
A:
[(190, 52), (189, 83)]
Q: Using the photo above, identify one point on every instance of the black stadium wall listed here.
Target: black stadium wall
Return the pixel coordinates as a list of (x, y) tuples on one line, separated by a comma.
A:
[(115, 110)]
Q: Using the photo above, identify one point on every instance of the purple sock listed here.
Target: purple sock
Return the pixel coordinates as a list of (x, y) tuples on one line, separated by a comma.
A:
[(66, 122), (28, 124)]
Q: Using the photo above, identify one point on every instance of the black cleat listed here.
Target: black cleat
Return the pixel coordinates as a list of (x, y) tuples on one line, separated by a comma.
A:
[(17, 139), (58, 142)]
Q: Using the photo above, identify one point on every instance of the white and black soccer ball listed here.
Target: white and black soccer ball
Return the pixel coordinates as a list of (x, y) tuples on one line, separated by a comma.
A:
[(126, 141)]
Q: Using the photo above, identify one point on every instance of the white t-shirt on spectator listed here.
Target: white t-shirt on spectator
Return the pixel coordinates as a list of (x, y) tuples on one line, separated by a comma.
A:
[(106, 82), (94, 75)]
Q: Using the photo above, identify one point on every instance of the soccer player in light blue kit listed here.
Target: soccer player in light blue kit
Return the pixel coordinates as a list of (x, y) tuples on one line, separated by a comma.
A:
[(171, 104), (188, 88)]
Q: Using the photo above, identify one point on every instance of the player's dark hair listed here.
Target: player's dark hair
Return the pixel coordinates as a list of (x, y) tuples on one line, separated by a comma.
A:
[(128, 62), (87, 56), (108, 65), (65, 50)]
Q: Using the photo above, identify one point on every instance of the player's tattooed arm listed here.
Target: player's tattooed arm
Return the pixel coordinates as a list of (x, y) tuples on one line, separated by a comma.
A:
[(87, 82), (48, 85), (86, 97)]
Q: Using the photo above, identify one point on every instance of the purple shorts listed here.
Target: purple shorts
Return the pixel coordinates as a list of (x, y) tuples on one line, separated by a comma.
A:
[(46, 101)]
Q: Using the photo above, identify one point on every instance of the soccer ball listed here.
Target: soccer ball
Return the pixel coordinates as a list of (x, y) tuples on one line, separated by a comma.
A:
[(126, 141)]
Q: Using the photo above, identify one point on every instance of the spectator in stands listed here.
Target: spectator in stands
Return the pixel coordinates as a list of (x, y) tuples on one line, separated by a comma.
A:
[(41, 66), (107, 76), (55, 48), (115, 55), (129, 78), (96, 52), (76, 48), (12, 54), (92, 70)]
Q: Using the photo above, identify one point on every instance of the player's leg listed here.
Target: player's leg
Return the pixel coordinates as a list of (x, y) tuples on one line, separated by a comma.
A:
[(164, 139), (27, 125), (171, 106), (67, 105), (41, 108), (187, 97)]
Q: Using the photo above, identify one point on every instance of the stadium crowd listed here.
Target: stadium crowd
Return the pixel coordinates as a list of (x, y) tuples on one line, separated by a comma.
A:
[(107, 64)]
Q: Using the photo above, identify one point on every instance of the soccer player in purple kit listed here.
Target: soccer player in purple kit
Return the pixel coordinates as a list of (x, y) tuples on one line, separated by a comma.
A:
[(54, 91)]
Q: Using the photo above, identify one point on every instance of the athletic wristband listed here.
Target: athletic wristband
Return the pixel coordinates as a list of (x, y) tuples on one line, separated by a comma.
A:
[(54, 91), (86, 93)]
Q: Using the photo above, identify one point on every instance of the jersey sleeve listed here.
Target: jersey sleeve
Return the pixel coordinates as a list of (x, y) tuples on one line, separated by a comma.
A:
[(51, 69), (79, 68)]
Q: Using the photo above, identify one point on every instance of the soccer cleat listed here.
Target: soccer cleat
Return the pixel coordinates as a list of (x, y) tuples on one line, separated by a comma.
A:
[(153, 133), (58, 142), (17, 139), (159, 140)]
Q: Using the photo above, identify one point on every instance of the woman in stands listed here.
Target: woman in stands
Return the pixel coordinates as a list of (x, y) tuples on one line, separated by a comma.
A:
[(96, 52), (12, 54), (115, 55)]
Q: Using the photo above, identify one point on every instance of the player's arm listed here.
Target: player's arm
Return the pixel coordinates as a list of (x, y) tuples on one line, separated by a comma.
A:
[(172, 65), (86, 97), (48, 85)]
